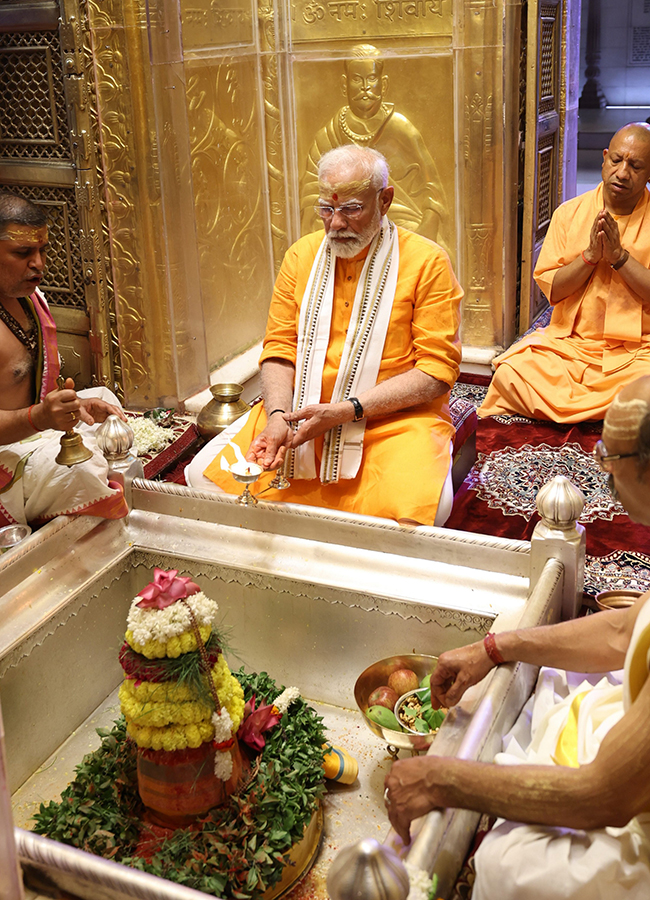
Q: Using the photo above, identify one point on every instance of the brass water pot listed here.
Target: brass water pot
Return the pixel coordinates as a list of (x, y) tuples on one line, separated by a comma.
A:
[(223, 409)]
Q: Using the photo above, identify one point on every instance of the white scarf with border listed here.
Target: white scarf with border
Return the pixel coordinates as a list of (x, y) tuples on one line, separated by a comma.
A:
[(362, 352)]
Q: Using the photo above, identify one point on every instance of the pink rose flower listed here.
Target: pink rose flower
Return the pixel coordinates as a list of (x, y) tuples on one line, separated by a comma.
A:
[(165, 589)]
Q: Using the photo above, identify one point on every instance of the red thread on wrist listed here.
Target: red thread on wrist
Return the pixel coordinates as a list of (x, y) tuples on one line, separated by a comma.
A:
[(489, 643), (29, 417), (585, 260)]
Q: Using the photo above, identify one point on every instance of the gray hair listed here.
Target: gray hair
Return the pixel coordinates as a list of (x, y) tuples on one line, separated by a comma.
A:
[(15, 210), (643, 445), (371, 163)]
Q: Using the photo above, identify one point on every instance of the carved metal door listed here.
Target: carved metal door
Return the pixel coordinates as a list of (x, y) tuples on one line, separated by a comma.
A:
[(48, 154), (545, 141)]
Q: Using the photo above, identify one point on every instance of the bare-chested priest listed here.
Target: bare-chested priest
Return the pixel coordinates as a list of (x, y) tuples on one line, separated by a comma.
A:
[(33, 411), (594, 267)]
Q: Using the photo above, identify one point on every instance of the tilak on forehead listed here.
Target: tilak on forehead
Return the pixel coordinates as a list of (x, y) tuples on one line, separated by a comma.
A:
[(24, 233), (333, 189), (624, 418)]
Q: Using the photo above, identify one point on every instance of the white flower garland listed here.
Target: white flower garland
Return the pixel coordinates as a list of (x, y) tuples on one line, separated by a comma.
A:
[(222, 732), (223, 764), (148, 436), (284, 700), (222, 726), (162, 624), (420, 883)]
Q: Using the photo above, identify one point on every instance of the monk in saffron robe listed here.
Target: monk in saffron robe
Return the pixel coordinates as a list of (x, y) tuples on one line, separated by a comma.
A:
[(594, 267), (360, 353), (33, 411), (572, 786)]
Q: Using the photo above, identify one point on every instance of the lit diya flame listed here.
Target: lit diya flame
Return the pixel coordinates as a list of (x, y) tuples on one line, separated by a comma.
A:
[(247, 469)]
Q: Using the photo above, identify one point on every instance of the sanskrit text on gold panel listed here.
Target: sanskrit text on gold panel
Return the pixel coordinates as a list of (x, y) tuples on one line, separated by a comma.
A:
[(318, 20)]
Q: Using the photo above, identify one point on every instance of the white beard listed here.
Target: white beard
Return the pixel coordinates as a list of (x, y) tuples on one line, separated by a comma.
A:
[(359, 241)]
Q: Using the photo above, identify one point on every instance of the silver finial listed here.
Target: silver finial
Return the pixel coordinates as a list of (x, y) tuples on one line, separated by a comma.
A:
[(114, 438), (367, 870), (560, 503)]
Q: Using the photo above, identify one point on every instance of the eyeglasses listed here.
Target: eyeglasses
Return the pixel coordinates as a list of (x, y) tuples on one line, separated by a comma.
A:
[(350, 211), (603, 458)]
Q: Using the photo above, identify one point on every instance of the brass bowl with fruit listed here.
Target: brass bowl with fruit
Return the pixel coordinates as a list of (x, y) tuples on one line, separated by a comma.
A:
[(378, 676)]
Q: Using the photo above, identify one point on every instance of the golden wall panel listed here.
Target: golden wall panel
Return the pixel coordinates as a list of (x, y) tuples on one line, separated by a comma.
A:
[(230, 200), (215, 23), (326, 20), (132, 200), (213, 116), (329, 101), (274, 135), (480, 270)]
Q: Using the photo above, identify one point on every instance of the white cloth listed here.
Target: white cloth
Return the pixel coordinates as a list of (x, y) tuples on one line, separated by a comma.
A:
[(362, 352), (530, 862), (46, 489)]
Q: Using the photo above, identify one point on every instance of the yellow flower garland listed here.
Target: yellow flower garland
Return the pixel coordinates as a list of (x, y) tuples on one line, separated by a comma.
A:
[(173, 737), (182, 643), (158, 715), (167, 716)]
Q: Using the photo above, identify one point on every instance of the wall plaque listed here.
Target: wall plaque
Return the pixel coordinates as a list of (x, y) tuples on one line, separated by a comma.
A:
[(317, 20), (216, 23), (638, 48)]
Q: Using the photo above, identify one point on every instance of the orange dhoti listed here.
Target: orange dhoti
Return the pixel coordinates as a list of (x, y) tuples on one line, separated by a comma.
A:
[(406, 459), (598, 339)]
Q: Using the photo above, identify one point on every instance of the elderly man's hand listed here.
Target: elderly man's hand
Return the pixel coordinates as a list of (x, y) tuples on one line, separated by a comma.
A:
[(92, 410), (410, 792), (318, 418), (270, 446), (456, 671)]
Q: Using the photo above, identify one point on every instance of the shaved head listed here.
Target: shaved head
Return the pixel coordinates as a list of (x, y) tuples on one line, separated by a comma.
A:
[(638, 130), (626, 168)]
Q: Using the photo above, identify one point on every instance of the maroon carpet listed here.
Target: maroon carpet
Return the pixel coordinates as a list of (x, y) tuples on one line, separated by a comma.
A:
[(515, 458)]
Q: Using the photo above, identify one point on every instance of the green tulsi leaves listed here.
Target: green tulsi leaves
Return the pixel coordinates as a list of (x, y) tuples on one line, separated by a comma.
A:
[(238, 851)]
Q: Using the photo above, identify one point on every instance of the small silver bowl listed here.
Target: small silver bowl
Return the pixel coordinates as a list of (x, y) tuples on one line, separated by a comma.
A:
[(398, 706), (12, 535), (617, 599), (375, 676)]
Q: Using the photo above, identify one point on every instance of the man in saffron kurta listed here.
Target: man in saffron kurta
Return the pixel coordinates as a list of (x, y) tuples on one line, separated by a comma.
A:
[(406, 445), (33, 411), (594, 267)]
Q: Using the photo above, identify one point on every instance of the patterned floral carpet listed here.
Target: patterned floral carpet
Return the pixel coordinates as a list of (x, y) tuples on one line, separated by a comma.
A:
[(515, 457)]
